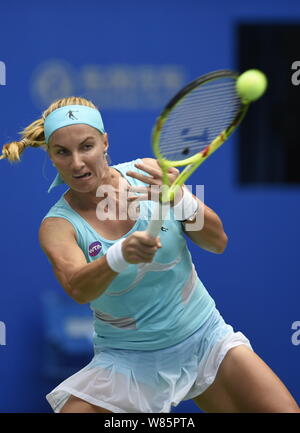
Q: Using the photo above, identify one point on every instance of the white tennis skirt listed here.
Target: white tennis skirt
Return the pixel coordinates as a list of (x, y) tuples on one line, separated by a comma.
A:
[(138, 381)]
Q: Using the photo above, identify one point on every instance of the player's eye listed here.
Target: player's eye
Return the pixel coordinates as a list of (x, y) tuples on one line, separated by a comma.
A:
[(61, 152), (87, 146)]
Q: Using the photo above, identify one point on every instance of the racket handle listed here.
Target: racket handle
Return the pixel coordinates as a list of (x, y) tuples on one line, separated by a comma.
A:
[(154, 227), (158, 217)]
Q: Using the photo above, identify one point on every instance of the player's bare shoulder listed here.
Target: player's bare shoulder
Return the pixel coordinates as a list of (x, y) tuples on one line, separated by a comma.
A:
[(55, 229), (58, 240)]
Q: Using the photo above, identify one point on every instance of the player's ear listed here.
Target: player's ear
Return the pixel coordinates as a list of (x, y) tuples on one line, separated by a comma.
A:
[(105, 148), (105, 141)]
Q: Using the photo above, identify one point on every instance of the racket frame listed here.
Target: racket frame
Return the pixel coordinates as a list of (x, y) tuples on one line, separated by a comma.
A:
[(193, 162)]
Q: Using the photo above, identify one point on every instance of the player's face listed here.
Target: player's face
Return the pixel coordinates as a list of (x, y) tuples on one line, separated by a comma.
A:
[(78, 153)]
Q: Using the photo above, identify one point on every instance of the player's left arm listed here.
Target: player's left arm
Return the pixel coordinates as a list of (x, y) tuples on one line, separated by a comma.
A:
[(206, 229)]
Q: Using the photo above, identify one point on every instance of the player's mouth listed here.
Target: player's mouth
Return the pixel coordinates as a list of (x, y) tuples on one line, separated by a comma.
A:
[(83, 176)]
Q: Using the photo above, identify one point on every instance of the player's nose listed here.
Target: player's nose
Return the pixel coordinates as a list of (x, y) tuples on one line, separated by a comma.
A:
[(76, 162)]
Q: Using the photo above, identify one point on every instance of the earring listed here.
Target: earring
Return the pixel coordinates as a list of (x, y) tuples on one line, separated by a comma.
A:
[(107, 158)]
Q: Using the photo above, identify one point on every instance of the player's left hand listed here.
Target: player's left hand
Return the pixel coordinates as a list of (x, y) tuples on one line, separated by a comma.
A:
[(154, 179)]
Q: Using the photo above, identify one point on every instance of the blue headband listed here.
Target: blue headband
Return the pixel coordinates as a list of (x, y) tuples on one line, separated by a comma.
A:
[(71, 115)]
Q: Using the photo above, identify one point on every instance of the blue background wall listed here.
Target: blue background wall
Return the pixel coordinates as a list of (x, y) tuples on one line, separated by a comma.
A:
[(76, 47)]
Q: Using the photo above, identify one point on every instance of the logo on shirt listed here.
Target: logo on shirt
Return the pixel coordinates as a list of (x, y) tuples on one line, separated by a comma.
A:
[(95, 248)]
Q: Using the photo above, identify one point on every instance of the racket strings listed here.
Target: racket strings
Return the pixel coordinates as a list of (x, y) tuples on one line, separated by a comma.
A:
[(199, 118)]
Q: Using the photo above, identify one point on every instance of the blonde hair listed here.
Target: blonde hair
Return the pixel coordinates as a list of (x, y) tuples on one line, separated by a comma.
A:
[(33, 134)]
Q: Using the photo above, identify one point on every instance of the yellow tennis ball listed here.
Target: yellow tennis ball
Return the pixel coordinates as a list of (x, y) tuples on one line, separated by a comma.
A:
[(251, 85)]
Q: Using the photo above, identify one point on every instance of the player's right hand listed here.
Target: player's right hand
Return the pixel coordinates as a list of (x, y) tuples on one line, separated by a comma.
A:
[(140, 247)]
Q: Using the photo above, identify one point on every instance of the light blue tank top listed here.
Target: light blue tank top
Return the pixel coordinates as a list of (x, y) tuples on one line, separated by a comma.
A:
[(148, 306)]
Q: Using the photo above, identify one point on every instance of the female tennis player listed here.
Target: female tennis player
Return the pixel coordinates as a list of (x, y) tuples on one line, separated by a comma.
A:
[(158, 337)]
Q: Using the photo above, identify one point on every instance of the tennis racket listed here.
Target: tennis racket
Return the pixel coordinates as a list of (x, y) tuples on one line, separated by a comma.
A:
[(193, 125)]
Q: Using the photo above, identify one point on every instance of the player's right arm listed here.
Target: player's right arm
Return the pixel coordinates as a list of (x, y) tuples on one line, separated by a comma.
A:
[(84, 281), (81, 280)]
